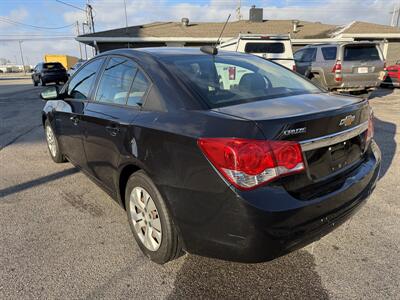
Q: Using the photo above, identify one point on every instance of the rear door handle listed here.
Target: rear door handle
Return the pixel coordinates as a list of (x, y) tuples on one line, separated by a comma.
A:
[(74, 119), (112, 130)]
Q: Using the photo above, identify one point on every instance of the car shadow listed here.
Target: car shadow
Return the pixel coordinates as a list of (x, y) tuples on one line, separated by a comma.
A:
[(385, 138), (381, 92), (35, 182), (292, 276)]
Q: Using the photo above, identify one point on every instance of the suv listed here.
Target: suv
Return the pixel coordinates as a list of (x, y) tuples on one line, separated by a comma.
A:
[(272, 47), (354, 66), (44, 73)]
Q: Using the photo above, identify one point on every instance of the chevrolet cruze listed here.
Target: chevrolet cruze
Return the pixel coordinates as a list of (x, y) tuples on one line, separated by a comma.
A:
[(225, 155)]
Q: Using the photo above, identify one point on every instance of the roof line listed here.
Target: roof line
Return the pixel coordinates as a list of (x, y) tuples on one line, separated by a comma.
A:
[(341, 29)]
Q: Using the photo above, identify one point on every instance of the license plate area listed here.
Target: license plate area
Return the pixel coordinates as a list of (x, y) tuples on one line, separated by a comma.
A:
[(328, 160), (362, 70)]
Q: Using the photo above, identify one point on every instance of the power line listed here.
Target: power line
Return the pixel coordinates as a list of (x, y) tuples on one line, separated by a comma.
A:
[(9, 21), (37, 39), (71, 5)]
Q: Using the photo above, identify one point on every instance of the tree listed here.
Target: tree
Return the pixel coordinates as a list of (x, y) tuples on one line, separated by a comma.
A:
[(4, 61)]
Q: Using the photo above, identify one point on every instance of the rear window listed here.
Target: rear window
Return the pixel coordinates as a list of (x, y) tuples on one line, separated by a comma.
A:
[(329, 53), (264, 48), (358, 52), (51, 66), (224, 80)]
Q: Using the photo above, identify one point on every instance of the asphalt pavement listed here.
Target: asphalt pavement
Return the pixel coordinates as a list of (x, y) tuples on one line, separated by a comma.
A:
[(62, 237)]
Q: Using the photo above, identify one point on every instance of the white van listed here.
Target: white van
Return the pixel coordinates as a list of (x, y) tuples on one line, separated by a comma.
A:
[(272, 47)]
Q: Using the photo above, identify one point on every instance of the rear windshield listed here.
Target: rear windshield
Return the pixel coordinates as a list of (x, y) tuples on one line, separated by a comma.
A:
[(224, 80), (55, 66), (264, 48), (358, 52)]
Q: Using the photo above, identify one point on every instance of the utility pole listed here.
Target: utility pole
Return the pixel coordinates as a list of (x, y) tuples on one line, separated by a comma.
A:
[(126, 16), (79, 43), (22, 56), (238, 14), (395, 20), (83, 30), (89, 17)]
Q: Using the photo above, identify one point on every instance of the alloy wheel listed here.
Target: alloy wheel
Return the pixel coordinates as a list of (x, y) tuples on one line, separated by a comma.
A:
[(51, 141), (145, 218)]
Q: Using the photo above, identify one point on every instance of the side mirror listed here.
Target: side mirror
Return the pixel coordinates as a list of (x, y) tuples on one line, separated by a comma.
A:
[(50, 93)]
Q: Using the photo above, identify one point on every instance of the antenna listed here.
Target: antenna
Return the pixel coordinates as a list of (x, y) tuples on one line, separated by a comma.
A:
[(222, 31), (213, 49)]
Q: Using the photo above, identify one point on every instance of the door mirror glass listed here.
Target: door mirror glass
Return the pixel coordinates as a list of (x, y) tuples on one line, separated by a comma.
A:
[(50, 93)]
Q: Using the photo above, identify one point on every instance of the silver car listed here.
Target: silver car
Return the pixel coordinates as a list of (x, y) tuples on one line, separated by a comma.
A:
[(351, 66)]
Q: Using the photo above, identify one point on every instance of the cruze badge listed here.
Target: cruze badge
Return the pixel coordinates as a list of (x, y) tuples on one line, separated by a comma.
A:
[(347, 121), (295, 131)]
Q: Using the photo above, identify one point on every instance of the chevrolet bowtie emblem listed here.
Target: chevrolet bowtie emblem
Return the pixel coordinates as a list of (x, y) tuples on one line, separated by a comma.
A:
[(347, 121)]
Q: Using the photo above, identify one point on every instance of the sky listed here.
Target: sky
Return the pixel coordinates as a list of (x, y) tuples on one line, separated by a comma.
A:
[(32, 19)]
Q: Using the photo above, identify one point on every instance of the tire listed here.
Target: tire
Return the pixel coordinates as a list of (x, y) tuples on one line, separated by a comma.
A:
[(152, 220), (52, 144), (34, 82), (42, 83)]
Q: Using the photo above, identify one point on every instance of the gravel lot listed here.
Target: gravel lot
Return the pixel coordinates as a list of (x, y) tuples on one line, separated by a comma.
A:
[(62, 237)]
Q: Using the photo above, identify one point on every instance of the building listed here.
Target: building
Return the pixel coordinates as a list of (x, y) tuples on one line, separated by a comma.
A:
[(187, 34)]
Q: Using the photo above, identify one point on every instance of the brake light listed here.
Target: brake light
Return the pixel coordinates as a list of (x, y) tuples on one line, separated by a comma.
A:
[(249, 163), (337, 69)]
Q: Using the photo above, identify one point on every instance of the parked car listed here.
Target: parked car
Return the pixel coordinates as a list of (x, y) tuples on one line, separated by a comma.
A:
[(277, 48), (392, 78), (45, 73), (348, 67), (74, 68), (245, 172)]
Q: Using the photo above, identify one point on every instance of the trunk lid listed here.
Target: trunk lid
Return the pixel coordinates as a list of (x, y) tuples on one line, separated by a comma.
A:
[(308, 119)]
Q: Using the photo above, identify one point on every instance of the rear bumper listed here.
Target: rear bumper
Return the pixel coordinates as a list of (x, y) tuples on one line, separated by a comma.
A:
[(55, 77), (390, 81), (268, 222)]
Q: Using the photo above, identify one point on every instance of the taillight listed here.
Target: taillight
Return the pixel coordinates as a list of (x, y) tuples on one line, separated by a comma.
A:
[(337, 69), (250, 163)]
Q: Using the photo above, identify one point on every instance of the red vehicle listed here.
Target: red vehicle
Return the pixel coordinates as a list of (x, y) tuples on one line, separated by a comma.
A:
[(393, 75)]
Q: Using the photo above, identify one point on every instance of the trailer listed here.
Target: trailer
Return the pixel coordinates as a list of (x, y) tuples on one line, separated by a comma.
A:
[(66, 60)]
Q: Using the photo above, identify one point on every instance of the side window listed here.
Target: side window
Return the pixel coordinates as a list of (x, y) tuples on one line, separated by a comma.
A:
[(116, 80), (138, 90), (329, 53), (309, 55), (298, 55), (81, 84)]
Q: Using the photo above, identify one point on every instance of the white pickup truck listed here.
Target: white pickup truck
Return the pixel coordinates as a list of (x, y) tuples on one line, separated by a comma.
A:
[(272, 47)]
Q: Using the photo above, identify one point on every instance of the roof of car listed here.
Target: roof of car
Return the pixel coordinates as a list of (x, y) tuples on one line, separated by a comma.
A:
[(159, 52)]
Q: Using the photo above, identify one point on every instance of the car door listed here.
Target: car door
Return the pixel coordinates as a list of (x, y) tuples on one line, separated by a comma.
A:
[(303, 65), (120, 92), (69, 111)]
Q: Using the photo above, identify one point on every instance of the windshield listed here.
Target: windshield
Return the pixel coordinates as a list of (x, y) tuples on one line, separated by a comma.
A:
[(53, 66), (224, 80)]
